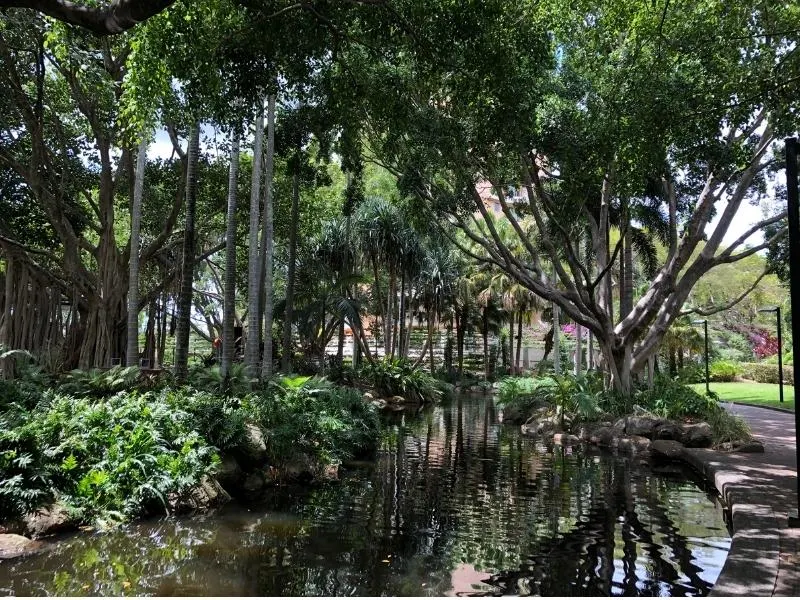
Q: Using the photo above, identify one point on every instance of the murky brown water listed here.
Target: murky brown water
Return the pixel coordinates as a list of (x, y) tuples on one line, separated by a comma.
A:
[(455, 504)]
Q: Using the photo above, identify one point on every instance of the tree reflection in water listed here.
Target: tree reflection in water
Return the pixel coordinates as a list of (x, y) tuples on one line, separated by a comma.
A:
[(452, 496)]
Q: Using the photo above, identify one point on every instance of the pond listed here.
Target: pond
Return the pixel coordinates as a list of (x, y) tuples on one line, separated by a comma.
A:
[(455, 504)]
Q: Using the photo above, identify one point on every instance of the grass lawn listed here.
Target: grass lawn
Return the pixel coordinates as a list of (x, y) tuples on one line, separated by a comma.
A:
[(760, 394)]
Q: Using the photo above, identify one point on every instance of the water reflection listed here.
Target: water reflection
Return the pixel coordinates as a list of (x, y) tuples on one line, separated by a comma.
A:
[(455, 504)]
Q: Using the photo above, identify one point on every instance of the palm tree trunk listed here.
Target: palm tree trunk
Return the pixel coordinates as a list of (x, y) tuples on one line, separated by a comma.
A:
[(389, 318), (430, 338), (460, 325), (267, 244), (253, 347), (402, 316), (162, 332), (485, 333), (150, 335), (187, 259), (511, 324), (578, 349), (519, 340), (132, 350), (286, 363), (229, 293), (556, 341)]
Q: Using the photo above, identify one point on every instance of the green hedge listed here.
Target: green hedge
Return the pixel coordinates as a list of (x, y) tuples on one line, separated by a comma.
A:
[(764, 372), (722, 370)]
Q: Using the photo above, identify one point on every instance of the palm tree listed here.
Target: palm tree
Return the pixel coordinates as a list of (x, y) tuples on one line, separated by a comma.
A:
[(187, 259), (681, 338), (132, 352), (267, 249), (254, 256), (437, 281), (229, 292)]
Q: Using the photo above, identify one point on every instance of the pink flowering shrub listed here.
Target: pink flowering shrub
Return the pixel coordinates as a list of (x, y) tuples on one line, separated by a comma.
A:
[(568, 329)]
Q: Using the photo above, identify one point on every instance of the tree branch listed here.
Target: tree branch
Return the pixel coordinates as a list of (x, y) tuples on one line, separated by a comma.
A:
[(707, 312), (111, 19)]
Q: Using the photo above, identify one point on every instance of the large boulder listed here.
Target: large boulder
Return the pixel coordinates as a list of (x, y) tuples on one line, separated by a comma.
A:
[(633, 444), (513, 414), (14, 546), (48, 520), (229, 473), (205, 495), (696, 435), (667, 449), (254, 447), (642, 425), (566, 439), (605, 437), (667, 430), (544, 427), (752, 446)]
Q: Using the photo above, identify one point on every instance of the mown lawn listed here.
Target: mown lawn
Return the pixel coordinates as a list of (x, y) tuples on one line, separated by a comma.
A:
[(759, 394)]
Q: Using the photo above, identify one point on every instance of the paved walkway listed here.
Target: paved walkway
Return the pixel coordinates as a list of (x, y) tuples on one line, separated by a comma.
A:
[(760, 490)]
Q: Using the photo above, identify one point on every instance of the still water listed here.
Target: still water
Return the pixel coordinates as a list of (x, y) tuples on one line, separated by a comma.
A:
[(455, 504)]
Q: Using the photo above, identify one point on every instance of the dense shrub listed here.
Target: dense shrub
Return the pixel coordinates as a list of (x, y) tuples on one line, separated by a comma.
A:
[(721, 370), (672, 399), (765, 372), (312, 416), (401, 378), (109, 459), (582, 395), (691, 373), (98, 383)]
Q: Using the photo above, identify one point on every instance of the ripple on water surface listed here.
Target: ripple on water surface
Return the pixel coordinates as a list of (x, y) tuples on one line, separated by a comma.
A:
[(455, 504)]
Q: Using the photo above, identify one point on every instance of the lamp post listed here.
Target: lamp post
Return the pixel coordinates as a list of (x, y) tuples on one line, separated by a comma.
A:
[(777, 311), (705, 339)]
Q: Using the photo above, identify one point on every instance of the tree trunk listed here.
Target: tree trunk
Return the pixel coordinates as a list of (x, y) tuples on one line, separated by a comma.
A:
[(162, 331), (556, 341), (253, 346), (286, 363), (267, 245), (460, 327), (402, 316), (511, 324), (132, 351), (519, 341), (187, 260), (578, 349), (627, 282), (229, 292), (430, 338), (485, 333), (388, 324), (150, 335)]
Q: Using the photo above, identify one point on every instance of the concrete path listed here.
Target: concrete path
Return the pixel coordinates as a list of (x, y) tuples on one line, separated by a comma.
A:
[(760, 490)]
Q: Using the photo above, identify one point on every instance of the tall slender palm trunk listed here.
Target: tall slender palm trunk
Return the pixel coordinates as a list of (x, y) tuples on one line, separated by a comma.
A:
[(286, 362), (511, 325), (253, 346), (229, 302), (267, 246), (519, 340), (132, 350), (187, 259)]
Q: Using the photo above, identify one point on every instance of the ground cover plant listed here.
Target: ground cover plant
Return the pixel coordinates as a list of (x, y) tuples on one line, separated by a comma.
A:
[(111, 456), (584, 398)]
